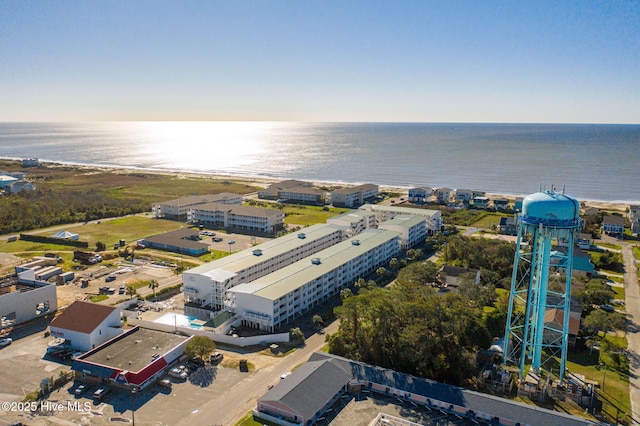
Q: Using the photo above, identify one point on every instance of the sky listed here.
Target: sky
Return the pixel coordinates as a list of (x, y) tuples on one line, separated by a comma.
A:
[(313, 60)]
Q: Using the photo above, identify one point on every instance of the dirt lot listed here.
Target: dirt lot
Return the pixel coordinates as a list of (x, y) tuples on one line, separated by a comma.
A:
[(124, 272)]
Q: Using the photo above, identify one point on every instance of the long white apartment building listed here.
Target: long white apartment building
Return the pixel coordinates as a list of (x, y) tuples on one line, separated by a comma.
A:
[(206, 285), (412, 229), (433, 217), (277, 298), (237, 217), (179, 207)]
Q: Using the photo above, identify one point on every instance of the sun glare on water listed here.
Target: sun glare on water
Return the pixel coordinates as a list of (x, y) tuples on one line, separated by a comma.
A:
[(203, 145)]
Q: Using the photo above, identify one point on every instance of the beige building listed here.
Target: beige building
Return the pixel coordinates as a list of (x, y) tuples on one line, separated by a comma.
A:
[(354, 196), (177, 209), (238, 217)]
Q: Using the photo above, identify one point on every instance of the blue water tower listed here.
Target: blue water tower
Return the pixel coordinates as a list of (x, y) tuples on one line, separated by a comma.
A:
[(539, 304)]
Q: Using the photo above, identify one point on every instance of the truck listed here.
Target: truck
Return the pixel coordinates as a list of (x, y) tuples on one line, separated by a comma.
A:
[(87, 257)]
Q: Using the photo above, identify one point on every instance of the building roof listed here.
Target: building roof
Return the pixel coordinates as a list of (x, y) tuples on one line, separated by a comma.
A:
[(309, 388), (613, 220), (239, 209), (179, 238), (83, 317), (289, 278), (353, 216), (356, 189), (401, 210), (303, 190), (200, 199), (476, 401), (244, 259), (456, 271), (556, 316), (408, 221)]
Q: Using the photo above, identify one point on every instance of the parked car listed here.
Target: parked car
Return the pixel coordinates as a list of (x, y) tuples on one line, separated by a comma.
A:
[(217, 239), (101, 393), (165, 383), (5, 341), (176, 373), (216, 357), (80, 389), (110, 278), (608, 308), (121, 290)]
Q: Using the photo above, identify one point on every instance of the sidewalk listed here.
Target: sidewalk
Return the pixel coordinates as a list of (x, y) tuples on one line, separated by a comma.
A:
[(632, 294)]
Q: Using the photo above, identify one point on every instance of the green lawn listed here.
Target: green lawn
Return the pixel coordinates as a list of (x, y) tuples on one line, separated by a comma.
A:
[(309, 215), (129, 228), (636, 252), (619, 291), (610, 246), (489, 220), (250, 420)]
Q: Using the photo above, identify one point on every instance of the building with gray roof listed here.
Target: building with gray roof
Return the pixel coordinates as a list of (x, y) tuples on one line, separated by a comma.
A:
[(205, 286), (178, 208), (433, 217), (311, 390), (275, 299), (237, 217)]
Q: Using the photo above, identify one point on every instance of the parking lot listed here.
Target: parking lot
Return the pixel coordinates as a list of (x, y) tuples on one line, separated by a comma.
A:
[(25, 365)]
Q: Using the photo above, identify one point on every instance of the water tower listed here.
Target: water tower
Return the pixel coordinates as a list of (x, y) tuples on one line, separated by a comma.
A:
[(540, 300)]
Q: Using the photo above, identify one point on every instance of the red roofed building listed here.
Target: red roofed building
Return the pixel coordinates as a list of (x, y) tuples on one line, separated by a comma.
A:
[(85, 325)]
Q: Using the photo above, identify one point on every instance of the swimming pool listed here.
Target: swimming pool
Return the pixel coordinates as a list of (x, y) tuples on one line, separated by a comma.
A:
[(179, 320)]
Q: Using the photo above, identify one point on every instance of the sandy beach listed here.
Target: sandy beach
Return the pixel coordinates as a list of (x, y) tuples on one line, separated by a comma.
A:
[(264, 182)]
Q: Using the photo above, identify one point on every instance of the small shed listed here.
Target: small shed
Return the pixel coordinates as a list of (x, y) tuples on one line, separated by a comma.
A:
[(66, 235)]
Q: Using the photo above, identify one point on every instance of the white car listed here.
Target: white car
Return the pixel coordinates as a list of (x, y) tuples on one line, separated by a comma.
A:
[(177, 374), (5, 341)]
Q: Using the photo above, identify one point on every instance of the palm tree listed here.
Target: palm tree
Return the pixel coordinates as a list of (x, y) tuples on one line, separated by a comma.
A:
[(153, 285)]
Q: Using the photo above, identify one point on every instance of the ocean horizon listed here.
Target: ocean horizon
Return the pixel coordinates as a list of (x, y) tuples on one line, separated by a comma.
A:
[(597, 162)]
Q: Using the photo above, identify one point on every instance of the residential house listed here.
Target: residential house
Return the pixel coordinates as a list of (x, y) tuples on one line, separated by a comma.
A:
[(501, 203), (581, 265), (517, 206), (420, 194), (613, 225), (508, 226), (481, 202), (85, 325), (354, 196), (591, 211), (453, 274), (634, 218), (554, 319), (30, 162), (584, 241), (21, 186), (443, 195), (464, 196)]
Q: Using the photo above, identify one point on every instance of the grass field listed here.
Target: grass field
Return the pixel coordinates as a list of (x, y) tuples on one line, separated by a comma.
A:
[(309, 215), (610, 246), (250, 420), (636, 252), (490, 220)]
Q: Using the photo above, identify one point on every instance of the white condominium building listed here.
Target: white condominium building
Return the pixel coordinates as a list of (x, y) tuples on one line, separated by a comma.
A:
[(206, 285), (412, 229), (433, 217), (275, 299), (236, 216), (355, 221), (178, 208)]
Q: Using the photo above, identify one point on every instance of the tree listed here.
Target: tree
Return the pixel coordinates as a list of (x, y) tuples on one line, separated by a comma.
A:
[(318, 321), (381, 272), (394, 264), (200, 347), (153, 285), (297, 336), (130, 290)]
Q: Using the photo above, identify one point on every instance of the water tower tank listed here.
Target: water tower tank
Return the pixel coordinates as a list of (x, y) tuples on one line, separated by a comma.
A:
[(550, 208)]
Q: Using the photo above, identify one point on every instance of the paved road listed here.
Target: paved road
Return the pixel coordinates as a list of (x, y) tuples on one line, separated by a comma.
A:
[(632, 295), (230, 407)]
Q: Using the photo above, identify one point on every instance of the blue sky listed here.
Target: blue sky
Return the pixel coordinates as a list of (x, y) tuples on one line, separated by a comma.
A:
[(424, 61)]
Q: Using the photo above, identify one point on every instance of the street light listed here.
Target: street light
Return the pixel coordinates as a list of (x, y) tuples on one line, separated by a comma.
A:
[(133, 406)]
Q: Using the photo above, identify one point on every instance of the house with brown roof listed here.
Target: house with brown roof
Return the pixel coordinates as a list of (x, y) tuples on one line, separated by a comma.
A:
[(85, 325)]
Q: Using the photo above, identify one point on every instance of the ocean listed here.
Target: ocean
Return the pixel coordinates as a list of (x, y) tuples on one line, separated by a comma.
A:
[(588, 161)]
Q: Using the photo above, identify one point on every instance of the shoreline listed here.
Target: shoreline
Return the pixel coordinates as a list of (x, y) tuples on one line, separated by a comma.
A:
[(265, 181)]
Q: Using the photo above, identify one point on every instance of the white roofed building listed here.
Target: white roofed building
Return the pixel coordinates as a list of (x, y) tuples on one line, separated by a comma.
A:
[(205, 286), (277, 298), (355, 221), (433, 217), (412, 229)]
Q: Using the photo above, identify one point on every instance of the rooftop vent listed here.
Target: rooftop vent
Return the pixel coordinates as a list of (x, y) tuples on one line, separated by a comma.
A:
[(302, 236), (316, 261), (355, 242), (257, 252)]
